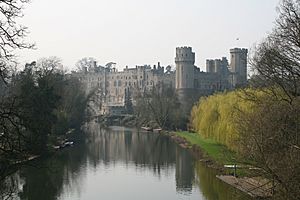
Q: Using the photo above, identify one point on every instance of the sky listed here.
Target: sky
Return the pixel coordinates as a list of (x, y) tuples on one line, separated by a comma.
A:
[(138, 32)]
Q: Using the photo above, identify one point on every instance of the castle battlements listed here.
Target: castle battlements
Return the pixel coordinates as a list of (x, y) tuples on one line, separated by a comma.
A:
[(239, 50), (184, 54), (114, 87)]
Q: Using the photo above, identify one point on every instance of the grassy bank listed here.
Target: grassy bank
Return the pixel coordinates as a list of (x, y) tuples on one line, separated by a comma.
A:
[(217, 152)]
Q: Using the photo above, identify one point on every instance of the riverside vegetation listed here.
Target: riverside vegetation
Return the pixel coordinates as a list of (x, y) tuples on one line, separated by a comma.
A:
[(258, 125), (38, 104), (261, 123)]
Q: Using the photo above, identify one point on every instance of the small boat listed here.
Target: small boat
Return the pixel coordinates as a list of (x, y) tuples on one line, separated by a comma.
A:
[(157, 130), (146, 128), (69, 143)]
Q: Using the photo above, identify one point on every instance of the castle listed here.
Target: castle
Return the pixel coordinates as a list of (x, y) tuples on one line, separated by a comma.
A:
[(112, 87), (191, 83)]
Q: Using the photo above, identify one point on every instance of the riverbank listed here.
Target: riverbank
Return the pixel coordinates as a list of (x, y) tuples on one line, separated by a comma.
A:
[(210, 149), (219, 157), (213, 154)]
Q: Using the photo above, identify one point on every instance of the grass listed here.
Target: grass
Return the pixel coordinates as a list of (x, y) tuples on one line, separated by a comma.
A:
[(218, 152)]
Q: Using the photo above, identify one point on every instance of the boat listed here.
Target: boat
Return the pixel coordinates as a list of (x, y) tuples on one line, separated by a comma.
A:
[(157, 130), (146, 128)]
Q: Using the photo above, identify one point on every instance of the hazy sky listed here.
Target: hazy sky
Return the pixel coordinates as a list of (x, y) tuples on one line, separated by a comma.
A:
[(137, 32)]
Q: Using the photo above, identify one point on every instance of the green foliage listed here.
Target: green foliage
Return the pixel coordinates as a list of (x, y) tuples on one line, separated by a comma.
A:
[(71, 107), (41, 101), (214, 150), (261, 125), (35, 101), (215, 116)]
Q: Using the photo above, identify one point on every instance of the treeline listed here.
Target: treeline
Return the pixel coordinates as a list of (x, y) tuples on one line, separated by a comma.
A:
[(262, 122), (37, 105)]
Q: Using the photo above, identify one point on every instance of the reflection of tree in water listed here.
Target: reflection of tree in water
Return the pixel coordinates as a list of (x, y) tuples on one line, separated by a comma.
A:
[(9, 187), (184, 171), (47, 181), (143, 151), (214, 189), (140, 149)]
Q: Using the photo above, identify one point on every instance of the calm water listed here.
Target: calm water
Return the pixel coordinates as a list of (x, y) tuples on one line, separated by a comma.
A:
[(121, 163)]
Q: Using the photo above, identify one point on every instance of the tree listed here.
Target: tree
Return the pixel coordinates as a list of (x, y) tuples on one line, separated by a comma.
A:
[(11, 33), (270, 135), (128, 102), (276, 61), (159, 107), (36, 99), (86, 63), (12, 36), (72, 104)]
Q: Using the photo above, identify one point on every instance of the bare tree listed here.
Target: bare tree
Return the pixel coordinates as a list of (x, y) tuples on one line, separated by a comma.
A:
[(87, 62), (270, 134), (277, 60), (12, 34), (159, 107)]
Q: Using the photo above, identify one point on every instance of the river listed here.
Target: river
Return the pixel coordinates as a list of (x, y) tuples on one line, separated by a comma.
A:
[(122, 163)]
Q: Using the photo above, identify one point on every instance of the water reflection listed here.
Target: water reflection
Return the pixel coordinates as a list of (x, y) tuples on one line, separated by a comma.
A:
[(122, 163), (213, 188)]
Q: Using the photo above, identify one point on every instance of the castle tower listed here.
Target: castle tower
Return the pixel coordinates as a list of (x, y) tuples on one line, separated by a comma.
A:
[(185, 60), (185, 78), (238, 66)]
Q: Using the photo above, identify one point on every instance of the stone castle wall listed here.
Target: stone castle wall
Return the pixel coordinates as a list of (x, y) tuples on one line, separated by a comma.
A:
[(113, 87)]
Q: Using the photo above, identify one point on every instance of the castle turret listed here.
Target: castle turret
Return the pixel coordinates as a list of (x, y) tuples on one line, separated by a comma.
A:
[(185, 60), (185, 77), (238, 66)]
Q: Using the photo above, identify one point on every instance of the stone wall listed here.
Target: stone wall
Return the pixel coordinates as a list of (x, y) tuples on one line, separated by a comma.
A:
[(112, 87)]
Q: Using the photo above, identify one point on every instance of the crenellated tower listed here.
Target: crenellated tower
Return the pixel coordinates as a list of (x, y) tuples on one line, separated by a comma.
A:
[(185, 77), (184, 60), (238, 67)]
